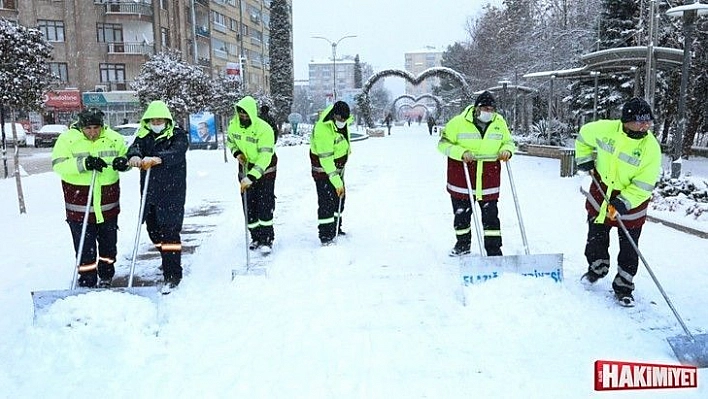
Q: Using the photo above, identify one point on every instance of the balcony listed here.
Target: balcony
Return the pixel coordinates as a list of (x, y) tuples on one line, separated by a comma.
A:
[(112, 86), (8, 9), (130, 48), (204, 61), (129, 8)]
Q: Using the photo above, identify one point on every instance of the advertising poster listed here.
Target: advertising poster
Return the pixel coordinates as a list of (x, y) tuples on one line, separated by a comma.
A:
[(202, 130)]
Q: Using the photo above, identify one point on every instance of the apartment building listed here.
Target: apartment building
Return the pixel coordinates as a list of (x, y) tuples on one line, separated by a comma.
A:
[(100, 45), (322, 80), (418, 61)]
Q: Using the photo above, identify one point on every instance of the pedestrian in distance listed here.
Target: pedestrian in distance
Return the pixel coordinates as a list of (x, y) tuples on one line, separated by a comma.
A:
[(251, 140), (160, 145), (388, 120), (264, 113), (477, 139), (431, 124), (329, 151), (89, 147), (627, 166)]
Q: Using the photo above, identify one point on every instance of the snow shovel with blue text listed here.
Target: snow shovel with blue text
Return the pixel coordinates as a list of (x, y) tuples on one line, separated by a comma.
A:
[(42, 300), (477, 269), (690, 349)]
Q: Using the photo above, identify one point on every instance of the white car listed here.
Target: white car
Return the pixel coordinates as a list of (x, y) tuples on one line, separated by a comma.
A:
[(21, 134), (48, 134), (128, 132)]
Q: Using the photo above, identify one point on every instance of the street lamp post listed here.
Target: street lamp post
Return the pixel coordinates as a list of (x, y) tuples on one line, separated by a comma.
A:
[(689, 13), (334, 60), (504, 84)]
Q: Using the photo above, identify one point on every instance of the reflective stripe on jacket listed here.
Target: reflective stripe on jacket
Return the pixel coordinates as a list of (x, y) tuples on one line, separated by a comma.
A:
[(68, 156), (460, 135), (627, 168)]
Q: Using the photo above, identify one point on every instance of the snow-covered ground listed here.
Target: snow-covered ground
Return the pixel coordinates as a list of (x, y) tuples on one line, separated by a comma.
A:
[(379, 315)]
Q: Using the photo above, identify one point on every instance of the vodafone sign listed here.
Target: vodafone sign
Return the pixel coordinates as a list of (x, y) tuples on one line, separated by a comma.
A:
[(63, 99)]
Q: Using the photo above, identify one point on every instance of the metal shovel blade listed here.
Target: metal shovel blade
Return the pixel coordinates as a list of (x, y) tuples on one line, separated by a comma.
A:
[(42, 300), (477, 269), (251, 271), (692, 351)]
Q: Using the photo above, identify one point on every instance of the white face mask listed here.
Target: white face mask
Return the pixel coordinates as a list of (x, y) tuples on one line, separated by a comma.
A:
[(485, 116), (340, 125), (157, 128)]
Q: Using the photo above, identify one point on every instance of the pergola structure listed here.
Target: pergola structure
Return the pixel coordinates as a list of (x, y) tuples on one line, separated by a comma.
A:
[(614, 61), (504, 88)]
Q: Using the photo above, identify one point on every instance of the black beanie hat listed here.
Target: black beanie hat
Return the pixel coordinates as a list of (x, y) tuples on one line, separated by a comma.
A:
[(341, 108), (91, 117), (636, 110), (486, 99)]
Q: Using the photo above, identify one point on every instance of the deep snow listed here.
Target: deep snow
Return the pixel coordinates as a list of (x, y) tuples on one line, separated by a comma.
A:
[(379, 315)]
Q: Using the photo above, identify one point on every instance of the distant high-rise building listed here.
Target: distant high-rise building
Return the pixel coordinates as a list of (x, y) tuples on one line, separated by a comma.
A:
[(100, 45), (321, 79), (417, 62)]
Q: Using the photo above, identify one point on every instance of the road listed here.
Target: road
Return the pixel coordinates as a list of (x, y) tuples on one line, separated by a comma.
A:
[(32, 160)]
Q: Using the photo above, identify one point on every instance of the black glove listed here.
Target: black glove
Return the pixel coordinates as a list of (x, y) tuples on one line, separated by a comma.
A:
[(94, 163), (120, 164), (620, 207), (586, 166)]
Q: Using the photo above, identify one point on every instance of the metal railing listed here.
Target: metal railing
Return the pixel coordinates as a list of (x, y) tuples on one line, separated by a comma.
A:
[(130, 48), (128, 7)]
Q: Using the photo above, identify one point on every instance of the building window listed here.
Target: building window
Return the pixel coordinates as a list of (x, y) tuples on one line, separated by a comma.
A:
[(109, 33), (53, 31), (112, 72), (164, 4), (165, 37), (61, 70), (8, 4), (233, 24)]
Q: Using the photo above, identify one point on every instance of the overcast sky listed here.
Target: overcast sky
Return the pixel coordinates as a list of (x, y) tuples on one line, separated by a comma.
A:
[(385, 29)]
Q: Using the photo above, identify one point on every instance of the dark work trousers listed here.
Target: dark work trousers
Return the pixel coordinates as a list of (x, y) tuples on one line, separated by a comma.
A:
[(598, 255), (261, 205), (329, 216), (166, 238), (490, 224), (101, 237)]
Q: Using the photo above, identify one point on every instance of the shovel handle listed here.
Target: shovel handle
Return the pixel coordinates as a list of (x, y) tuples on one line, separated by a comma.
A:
[(644, 261)]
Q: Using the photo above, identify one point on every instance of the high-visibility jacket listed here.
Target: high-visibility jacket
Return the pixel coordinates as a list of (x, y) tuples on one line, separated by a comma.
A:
[(329, 149), (626, 168), (460, 135), (68, 156), (256, 142)]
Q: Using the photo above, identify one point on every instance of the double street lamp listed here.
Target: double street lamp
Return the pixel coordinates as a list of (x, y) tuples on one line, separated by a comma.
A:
[(334, 60)]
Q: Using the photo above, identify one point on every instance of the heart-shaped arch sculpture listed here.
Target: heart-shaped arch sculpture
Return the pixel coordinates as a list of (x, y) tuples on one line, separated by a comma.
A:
[(438, 102), (364, 103)]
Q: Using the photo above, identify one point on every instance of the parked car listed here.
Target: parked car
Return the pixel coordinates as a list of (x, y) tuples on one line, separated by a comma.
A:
[(21, 134), (48, 134), (128, 132)]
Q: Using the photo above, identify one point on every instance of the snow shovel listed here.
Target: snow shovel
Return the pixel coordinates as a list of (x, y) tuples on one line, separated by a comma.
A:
[(690, 349), (43, 299), (338, 223), (483, 268), (148, 292), (250, 269)]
